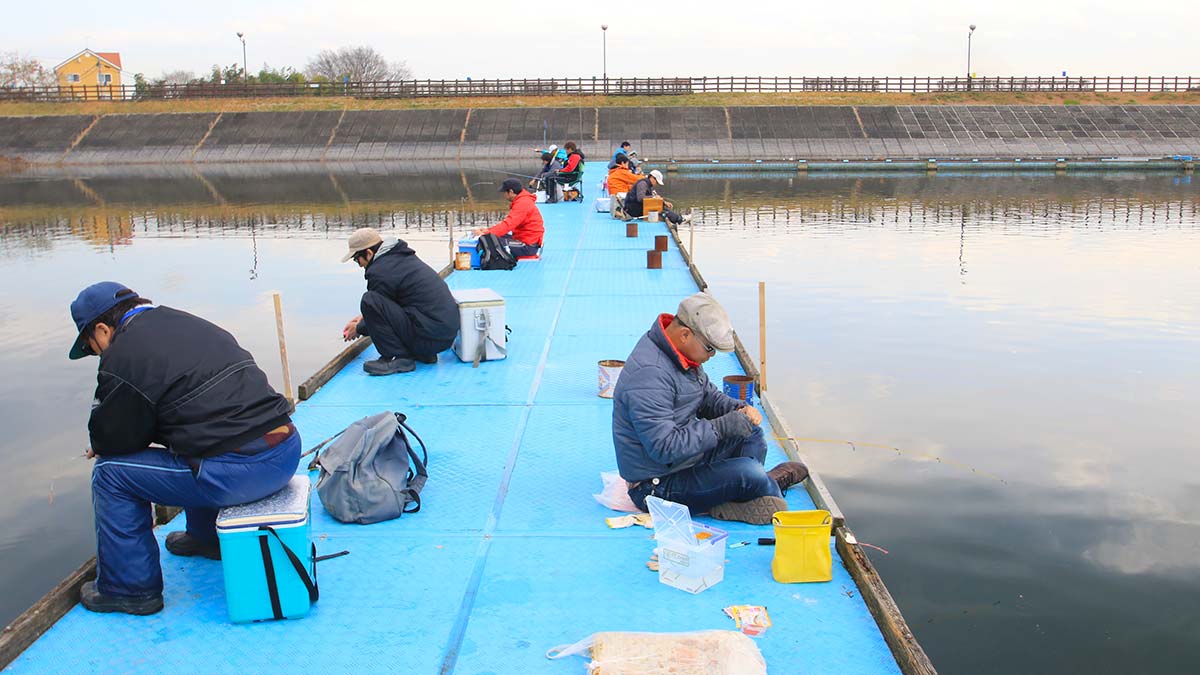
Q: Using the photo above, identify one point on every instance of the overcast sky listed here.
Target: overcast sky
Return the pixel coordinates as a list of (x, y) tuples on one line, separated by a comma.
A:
[(687, 38)]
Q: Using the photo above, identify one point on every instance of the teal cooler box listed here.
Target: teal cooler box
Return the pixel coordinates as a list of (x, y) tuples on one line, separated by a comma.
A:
[(468, 246), (262, 581)]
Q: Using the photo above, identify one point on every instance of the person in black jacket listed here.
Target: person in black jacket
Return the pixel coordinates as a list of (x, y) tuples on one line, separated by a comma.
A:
[(182, 416), (407, 310), (646, 188)]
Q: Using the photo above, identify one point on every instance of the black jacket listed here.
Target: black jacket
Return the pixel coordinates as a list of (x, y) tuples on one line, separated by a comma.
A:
[(397, 273), (179, 381), (636, 195)]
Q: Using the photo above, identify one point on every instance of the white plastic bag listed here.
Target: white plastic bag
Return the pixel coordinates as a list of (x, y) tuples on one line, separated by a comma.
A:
[(615, 493), (710, 652)]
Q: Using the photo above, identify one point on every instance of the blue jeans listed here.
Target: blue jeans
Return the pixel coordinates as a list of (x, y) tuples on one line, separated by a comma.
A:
[(124, 486), (732, 472)]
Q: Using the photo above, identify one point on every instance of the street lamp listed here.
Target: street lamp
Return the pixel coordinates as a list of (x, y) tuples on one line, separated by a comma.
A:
[(969, 34), (604, 33), (245, 70)]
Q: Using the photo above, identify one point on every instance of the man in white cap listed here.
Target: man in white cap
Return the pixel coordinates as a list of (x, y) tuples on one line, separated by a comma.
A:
[(679, 438), (646, 188), (407, 310)]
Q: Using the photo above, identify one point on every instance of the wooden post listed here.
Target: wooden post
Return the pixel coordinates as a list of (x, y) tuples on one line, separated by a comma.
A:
[(451, 224), (691, 240), (287, 371), (762, 335)]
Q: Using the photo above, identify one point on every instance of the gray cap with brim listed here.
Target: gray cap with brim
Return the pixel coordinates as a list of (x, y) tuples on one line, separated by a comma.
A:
[(707, 318), (362, 239)]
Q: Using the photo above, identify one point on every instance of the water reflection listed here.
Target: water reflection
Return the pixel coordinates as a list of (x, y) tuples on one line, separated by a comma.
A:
[(1015, 358)]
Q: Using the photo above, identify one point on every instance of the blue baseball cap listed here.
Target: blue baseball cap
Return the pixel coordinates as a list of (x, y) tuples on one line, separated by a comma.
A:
[(90, 304)]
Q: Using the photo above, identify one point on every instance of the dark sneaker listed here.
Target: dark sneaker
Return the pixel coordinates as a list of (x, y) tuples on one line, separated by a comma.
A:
[(95, 601), (757, 511), (184, 544), (390, 366), (788, 474), (432, 358)]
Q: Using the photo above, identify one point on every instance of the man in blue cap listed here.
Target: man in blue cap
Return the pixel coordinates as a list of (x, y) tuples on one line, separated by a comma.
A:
[(182, 416)]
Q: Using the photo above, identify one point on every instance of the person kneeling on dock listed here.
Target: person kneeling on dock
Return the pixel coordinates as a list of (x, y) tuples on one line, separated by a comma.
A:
[(646, 188), (407, 310), (181, 416), (679, 438), (522, 230)]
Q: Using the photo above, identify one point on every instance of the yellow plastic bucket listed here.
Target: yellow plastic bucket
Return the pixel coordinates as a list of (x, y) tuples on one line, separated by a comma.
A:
[(802, 547)]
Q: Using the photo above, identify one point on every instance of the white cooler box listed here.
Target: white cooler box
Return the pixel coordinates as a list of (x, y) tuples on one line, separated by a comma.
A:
[(482, 336)]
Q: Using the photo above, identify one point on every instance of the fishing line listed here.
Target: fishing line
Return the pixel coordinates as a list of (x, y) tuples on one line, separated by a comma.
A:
[(937, 458)]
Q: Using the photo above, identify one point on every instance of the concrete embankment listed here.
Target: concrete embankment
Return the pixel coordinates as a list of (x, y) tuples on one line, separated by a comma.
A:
[(732, 133)]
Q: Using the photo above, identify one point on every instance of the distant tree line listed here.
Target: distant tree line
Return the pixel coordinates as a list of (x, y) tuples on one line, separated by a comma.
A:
[(348, 64)]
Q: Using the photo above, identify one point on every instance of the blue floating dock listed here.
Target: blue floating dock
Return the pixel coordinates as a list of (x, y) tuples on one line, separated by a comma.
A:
[(509, 555)]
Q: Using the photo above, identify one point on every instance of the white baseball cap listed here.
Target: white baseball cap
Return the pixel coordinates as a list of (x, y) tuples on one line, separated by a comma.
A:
[(658, 177)]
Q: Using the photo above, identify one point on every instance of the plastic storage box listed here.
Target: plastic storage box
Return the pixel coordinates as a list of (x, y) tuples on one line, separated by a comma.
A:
[(248, 550), (468, 246), (481, 313), (691, 556)]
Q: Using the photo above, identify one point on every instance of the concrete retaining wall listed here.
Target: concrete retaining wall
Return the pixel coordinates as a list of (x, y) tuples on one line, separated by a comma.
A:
[(734, 133)]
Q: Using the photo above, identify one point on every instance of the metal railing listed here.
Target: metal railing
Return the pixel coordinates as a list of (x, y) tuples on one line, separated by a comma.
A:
[(595, 86)]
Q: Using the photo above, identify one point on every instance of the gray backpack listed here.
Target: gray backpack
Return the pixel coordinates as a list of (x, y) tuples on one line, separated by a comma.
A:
[(371, 473)]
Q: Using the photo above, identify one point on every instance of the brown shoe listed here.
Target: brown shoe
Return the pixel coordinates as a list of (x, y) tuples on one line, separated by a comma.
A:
[(788, 474), (757, 511)]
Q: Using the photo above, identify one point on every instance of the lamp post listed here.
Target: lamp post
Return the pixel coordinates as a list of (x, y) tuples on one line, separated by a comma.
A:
[(969, 34), (245, 70), (604, 34)]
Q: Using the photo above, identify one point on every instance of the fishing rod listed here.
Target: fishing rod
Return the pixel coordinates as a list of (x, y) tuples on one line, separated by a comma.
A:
[(854, 446)]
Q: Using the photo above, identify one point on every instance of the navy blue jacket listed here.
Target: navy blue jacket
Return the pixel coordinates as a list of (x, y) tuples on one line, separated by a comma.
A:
[(182, 382), (405, 279), (661, 412)]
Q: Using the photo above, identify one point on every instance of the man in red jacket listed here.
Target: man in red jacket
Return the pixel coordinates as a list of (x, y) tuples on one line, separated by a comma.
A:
[(522, 229)]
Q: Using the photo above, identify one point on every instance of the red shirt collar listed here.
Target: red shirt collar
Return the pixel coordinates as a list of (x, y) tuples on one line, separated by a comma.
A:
[(665, 320)]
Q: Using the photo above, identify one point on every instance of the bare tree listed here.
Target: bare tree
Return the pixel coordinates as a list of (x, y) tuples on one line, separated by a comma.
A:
[(358, 64), (177, 77), (16, 71)]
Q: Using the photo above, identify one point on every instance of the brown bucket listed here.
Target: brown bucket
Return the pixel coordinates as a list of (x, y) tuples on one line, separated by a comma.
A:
[(631, 230), (660, 242), (654, 260)]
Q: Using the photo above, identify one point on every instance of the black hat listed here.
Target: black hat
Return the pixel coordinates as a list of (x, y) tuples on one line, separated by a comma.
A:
[(510, 185)]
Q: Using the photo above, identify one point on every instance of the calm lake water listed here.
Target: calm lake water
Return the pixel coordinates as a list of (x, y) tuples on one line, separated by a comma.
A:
[(992, 373)]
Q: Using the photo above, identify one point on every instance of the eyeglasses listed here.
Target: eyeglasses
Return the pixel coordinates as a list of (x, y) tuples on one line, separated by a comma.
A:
[(360, 255), (709, 349)]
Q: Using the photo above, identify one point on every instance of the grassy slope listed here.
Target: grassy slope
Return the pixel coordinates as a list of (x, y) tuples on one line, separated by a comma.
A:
[(333, 103)]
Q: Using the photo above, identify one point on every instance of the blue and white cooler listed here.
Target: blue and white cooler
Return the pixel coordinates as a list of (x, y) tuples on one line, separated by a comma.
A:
[(268, 557)]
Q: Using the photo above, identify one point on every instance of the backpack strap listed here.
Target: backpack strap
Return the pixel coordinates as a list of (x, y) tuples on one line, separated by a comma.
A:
[(418, 473)]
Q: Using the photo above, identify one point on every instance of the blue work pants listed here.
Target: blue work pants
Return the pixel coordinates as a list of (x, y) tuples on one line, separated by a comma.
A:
[(124, 487), (731, 472)]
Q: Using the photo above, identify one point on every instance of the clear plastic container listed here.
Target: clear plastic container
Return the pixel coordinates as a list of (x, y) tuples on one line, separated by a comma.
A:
[(691, 556)]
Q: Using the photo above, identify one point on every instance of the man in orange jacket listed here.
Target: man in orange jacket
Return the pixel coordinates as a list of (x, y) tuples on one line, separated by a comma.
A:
[(620, 178), (522, 229)]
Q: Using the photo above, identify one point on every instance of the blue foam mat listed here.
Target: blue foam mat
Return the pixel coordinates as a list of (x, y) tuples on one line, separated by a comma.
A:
[(509, 555)]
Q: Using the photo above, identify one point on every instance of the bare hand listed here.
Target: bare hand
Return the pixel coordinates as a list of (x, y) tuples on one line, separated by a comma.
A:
[(478, 231), (668, 204), (350, 332), (753, 414)]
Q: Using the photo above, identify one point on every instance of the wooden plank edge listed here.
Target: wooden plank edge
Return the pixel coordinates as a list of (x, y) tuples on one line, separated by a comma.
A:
[(908, 653), (35, 621), (319, 379)]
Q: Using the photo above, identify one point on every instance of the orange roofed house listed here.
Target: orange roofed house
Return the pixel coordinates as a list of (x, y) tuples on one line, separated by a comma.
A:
[(91, 75)]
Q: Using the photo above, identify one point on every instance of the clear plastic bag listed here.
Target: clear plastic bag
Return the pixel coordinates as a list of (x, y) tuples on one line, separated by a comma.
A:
[(615, 493), (710, 652)]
